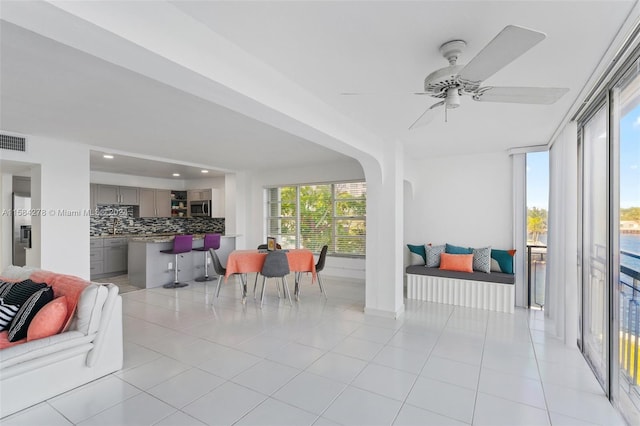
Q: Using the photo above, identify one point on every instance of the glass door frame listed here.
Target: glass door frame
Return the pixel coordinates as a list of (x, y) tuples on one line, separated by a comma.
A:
[(597, 106), (609, 100)]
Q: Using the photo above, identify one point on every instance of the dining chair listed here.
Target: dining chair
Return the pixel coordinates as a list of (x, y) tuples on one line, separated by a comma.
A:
[(255, 283), (276, 265), (264, 247), (319, 267), (217, 266)]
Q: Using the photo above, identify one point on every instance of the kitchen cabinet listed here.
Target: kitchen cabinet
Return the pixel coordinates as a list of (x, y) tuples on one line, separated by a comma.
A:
[(155, 202), (115, 255), (199, 194), (93, 193), (215, 195), (96, 257), (111, 194), (217, 203), (108, 256)]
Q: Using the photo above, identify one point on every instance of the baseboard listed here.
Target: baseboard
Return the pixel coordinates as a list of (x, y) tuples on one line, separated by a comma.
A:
[(385, 314)]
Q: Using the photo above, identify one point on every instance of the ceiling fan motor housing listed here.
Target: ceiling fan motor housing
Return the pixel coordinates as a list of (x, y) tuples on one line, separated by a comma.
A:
[(437, 83)]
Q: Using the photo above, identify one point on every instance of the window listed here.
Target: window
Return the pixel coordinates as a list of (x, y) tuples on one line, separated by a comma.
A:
[(310, 216)]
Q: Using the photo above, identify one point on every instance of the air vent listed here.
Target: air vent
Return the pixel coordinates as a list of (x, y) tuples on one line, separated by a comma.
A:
[(13, 143)]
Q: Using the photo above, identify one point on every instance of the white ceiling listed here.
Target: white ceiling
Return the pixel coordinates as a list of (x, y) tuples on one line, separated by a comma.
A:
[(136, 166), (383, 48)]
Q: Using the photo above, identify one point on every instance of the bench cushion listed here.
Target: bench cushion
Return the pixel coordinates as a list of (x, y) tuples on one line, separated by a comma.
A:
[(493, 277)]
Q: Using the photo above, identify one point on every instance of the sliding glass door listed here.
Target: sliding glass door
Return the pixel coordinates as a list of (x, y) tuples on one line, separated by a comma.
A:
[(610, 248), (595, 246), (625, 200)]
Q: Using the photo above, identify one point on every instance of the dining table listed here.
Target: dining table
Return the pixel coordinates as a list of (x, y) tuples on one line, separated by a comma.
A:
[(243, 262)]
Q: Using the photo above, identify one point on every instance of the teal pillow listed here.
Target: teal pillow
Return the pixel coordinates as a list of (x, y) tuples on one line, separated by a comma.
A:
[(457, 249), (419, 250), (504, 259)]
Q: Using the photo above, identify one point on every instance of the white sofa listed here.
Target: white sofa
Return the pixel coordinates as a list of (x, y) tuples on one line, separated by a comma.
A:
[(34, 371)]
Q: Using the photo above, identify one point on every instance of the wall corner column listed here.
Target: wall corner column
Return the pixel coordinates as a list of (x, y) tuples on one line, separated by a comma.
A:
[(384, 293)]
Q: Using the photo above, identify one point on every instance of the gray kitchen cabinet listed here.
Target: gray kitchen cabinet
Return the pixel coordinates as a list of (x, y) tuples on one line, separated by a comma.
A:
[(93, 190), (155, 202), (217, 203), (108, 256), (112, 194), (147, 202), (199, 194), (96, 256), (115, 255)]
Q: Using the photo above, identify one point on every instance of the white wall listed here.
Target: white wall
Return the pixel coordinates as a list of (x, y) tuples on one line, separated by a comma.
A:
[(255, 203), (461, 200), (6, 234), (59, 182)]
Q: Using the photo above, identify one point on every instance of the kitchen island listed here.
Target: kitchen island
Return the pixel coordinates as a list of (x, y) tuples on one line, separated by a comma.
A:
[(148, 268)]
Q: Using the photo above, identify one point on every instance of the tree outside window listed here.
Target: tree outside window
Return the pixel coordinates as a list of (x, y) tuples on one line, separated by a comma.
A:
[(310, 216)]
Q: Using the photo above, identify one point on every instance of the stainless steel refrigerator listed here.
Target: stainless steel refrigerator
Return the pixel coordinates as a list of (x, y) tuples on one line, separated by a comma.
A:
[(21, 228)]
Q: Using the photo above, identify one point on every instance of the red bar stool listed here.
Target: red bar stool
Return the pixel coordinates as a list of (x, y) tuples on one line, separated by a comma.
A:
[(211, 241), (181, 244)]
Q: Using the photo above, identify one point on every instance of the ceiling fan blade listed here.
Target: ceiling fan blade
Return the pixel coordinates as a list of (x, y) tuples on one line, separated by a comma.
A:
[(521, 95), (427, 116), (508, 45)]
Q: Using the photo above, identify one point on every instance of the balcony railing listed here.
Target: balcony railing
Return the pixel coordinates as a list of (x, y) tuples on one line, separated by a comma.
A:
[(536, 275), (629, 289)]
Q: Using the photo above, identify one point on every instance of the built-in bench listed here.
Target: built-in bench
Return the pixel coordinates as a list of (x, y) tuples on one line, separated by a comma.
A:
[(494, 291)]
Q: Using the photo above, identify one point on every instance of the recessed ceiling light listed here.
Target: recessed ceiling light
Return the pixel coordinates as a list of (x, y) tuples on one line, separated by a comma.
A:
[(204, 171), (176, 174), (109, 156)]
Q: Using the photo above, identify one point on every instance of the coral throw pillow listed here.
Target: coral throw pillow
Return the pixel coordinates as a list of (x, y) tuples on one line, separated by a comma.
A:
[(456, 262), (49, 320), (4, 340)]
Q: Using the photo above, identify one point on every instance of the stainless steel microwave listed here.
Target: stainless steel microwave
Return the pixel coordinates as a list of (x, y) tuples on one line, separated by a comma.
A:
[(200, 208)]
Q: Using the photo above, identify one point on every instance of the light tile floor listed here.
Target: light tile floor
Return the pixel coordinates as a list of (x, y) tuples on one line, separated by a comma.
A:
[(194, 359)]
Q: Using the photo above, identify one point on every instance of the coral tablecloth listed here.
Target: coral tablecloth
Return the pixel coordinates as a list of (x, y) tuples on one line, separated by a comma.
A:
[(245, 261)]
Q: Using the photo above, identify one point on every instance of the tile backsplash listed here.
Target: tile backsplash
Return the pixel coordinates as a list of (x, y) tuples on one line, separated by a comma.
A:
[(122, 217)]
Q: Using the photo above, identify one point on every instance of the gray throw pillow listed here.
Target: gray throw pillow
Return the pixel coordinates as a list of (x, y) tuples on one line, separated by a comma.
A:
[(482, 259), (433, 255)]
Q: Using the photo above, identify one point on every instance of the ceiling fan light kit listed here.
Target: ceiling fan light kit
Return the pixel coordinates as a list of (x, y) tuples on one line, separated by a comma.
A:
[(453, 98)]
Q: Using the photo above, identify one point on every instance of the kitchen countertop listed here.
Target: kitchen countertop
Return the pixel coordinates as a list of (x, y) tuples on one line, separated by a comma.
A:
[(154, 238)]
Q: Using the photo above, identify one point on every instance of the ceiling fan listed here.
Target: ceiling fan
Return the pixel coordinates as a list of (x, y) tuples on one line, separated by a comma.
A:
[(452, 82)]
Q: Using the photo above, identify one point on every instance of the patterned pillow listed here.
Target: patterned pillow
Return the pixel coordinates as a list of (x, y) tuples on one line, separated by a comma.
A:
[(18, 293), (7, 312), (433, 255), (5, 287), (482, 259), (20, 324)]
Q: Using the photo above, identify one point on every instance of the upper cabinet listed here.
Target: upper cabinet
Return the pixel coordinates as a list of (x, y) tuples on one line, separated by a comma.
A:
[(93, 193), (111, 194), (217, 203), (199, 194), (155, 202)]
